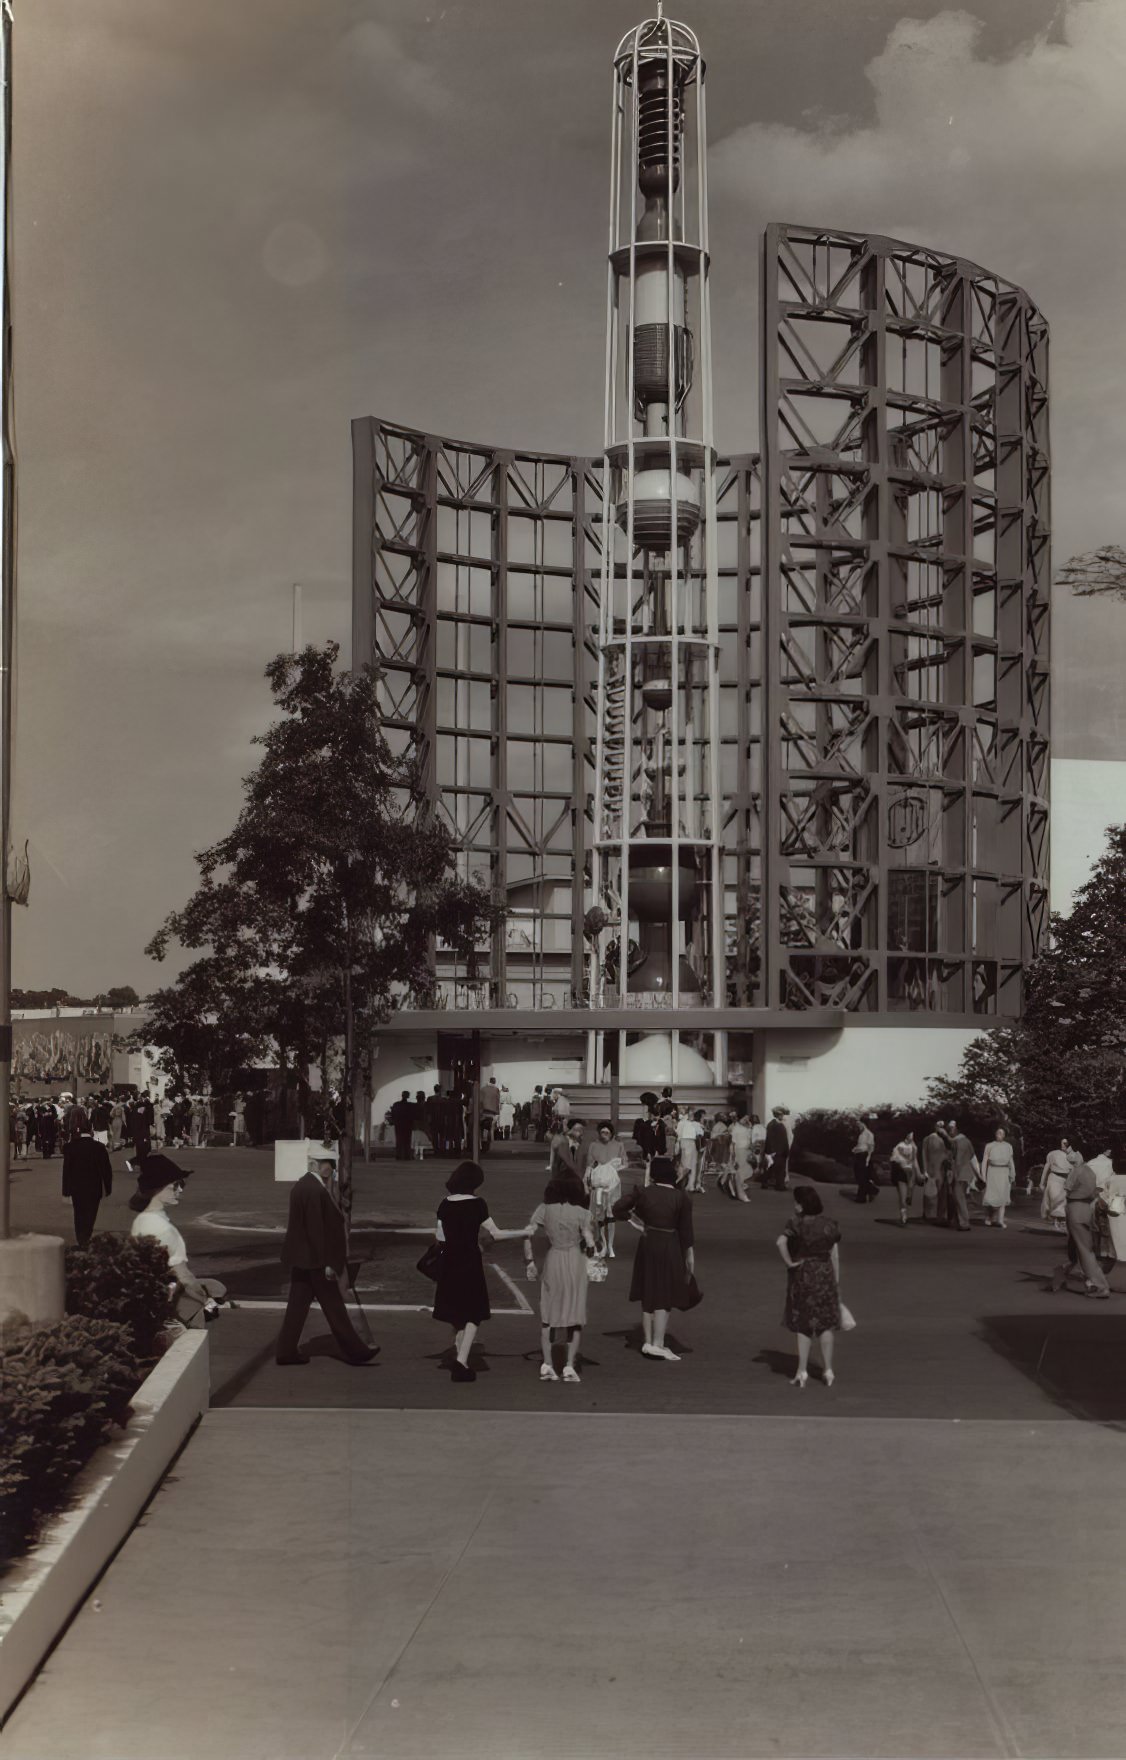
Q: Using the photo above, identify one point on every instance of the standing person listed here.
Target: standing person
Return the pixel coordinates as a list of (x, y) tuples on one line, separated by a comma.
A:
[(195, 1123), (567, 1152), (666, 1105), (1057, 1166), (863, 1150), (742, 1149), (564, 1217), (48, 1130), (506, 1117), (602, 1180), (536, 1113), (87, 1175), (649, 1132), (758, 1145), (141, 1122), (434, 1121), (420, 1140), (776, 1157), (116, 1125), (810, 1249), (937, 1162), (664, 1263), (720, 1153), (453, 1121), (238, 1120), (315, 1255), (462, 1297), (905, 1170), (998, 1169), (689, 1133), (489, 1111), (160, 1186), (1082, 1191), (402, 1118), (19, 1132), (966, 1167), (100, 1120)]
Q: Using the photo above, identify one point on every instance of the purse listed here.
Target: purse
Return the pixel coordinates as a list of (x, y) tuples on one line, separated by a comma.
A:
[(848, 1324), (597, 1269), (695, 1295), (432, 1261)]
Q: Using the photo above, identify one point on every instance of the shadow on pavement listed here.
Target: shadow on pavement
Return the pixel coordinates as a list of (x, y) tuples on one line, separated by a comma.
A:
[(1074, 1355)]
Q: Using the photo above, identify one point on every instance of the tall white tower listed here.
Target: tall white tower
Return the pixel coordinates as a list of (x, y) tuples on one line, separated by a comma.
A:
[(657, 873)]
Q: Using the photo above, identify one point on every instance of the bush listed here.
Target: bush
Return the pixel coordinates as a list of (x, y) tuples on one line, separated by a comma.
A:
[(124, 1280), (62, 1390)]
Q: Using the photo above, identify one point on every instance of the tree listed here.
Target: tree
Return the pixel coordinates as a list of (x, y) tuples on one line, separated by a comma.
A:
[(317, 915), (1062, 1069), (1096, 573), (122, 997)]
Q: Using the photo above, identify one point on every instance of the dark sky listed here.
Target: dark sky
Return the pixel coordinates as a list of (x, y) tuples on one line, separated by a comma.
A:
[(241, 224)]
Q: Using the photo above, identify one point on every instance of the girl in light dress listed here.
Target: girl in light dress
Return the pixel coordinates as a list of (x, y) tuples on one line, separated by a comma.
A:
[(602, 1181), (905, 1170), (564, 1217)]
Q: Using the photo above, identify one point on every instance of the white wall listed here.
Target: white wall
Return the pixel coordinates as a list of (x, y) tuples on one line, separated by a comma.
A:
[(1088, 797), (858, 1067), (407, 1062)]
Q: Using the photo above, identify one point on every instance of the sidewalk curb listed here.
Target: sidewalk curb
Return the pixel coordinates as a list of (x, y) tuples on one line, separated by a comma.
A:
[(42, 1591)]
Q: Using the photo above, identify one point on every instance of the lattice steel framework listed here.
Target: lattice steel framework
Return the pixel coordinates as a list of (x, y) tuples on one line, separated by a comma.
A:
[(906, 516), (476, 592)]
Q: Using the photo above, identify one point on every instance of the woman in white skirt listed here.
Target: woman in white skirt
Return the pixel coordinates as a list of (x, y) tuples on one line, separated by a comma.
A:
[(602, 1181), (998, 1170), (564, 1217), (1053, 1205)]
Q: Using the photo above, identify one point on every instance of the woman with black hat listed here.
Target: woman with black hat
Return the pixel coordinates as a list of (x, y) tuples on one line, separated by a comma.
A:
[(160, 1185), (462, 1297), (665, 1260)]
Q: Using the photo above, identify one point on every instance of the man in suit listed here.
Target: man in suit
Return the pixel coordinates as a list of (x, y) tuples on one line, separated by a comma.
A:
[(777, 1150), (937, 1162), (87, 1175), (314, 1252), (402, 1116), (966, 1168)]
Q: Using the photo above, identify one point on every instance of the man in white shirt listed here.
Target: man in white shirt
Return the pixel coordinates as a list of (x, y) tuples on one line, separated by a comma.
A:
[(688, 1134), (862, 1152)]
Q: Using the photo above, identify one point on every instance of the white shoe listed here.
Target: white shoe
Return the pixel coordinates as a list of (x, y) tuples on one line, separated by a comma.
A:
[(650, 1350), (611, 1254), (571, 1374), (664, 1351), (547, 1373)]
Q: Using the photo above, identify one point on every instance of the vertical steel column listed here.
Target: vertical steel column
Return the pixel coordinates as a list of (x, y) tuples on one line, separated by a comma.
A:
[(881, 707), (363, 530), (775, 865), (499, 692)]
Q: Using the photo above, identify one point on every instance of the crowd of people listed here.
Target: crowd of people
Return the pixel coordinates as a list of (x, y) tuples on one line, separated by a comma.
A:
[(132, 1121)]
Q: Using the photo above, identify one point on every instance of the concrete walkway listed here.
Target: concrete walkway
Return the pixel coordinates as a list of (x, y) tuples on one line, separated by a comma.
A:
[(525, 1586)]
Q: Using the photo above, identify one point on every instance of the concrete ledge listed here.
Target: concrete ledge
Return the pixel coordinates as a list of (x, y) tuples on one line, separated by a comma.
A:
[(41, 1592)]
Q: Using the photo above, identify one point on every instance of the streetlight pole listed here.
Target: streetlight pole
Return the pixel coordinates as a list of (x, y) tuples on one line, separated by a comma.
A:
[(7, 616)]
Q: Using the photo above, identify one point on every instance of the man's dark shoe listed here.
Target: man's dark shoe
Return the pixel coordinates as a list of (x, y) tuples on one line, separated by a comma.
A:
[(362, 1357), (291, 1362), (462, 1372)]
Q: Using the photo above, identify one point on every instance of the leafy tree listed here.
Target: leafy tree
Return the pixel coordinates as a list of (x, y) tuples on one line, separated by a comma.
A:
[(123, 996), (1096, 573), (1062, 1070), (318, 913)]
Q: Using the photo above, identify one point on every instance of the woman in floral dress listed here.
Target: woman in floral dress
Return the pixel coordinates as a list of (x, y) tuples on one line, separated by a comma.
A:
[(810, 1251)]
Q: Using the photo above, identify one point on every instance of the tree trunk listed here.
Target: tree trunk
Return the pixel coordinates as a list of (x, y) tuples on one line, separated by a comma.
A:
[(347, 1098)]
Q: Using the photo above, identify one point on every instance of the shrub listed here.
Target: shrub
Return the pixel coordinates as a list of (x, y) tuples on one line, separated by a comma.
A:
[(62, 1390), (124, 1280)]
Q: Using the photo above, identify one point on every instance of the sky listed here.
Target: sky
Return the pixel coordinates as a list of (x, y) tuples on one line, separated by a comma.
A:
[(240, 226)]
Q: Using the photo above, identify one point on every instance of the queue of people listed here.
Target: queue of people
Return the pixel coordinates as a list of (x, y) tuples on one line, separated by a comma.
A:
[(135, 1121)]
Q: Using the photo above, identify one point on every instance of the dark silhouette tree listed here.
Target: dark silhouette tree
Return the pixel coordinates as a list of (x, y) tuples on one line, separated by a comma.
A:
[(317, 915)]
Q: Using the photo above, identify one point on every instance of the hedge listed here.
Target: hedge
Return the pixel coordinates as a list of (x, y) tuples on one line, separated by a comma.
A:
[(125, 1280), (63, 1388)]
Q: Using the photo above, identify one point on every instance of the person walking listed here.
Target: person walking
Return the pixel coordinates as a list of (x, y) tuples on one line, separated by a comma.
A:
[(810, 1249), (649, 1131), (1082, 1193), (965, 1168), (489, 1111), (1053, 1181), (433, 1113), (116, 1126), (19, 1132), (720, 1153), (48, 1130), (689, 1137), (776, 1151), (566, 1221), (314, 1253), (537, 1107), (998, 1170), (937, 1161), (87, 1175), (462, 1297), (863, 1151), (664, 1264), (742, 1151), (905, 1170), (506, 1117), (602, 1181), (566, 1153), (758, 1146), (420, 1137), (100, 1119)]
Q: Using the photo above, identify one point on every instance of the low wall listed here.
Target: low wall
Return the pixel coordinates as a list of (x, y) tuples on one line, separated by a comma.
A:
[(41, 1592)]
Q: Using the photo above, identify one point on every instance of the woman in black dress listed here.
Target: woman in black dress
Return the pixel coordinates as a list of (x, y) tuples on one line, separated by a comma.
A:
[(665, 1258), (811, 1255), (462, 1298)]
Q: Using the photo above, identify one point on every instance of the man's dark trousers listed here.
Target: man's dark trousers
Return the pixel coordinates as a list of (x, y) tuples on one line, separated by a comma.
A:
[(402, 1140), (85, 1208), (303, 1286)]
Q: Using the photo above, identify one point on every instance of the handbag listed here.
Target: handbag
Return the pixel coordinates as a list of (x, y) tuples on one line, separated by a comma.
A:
[(848, 1323), (432, 1261), (597, 1269), (695, 1294)]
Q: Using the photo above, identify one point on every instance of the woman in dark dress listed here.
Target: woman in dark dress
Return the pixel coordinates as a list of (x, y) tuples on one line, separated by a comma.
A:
[(462, 1297), (665, 1257), (811, 1255)]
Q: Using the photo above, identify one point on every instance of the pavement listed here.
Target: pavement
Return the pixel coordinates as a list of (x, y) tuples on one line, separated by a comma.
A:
[(690, 1559)]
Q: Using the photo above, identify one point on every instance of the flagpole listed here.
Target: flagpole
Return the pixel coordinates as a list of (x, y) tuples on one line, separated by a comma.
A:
[(7, 620)]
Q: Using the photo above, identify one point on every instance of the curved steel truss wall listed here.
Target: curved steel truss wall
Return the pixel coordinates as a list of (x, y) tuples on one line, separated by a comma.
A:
[(883, 706)]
